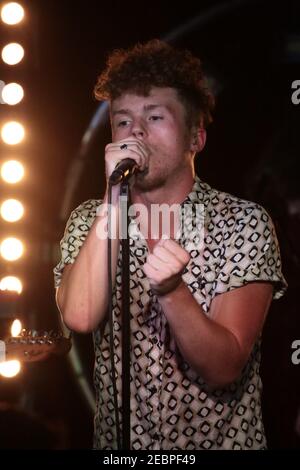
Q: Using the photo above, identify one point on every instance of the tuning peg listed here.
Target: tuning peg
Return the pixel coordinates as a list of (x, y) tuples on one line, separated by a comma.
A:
[(12, 339)]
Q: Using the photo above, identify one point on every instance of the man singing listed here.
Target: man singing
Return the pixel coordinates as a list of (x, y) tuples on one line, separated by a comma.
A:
[(197, 308)]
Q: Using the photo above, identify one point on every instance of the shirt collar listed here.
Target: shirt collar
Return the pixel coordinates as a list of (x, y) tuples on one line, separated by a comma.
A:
[(200, 193)]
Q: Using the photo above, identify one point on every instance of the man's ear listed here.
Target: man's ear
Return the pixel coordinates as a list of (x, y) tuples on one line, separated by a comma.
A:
[(198, 139)]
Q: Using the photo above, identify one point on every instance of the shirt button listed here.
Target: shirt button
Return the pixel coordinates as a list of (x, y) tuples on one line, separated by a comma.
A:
[(154, 340)]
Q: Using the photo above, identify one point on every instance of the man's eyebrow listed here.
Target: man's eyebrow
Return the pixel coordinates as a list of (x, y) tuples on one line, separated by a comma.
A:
[(120, 111), (147, 107), (150, 107)]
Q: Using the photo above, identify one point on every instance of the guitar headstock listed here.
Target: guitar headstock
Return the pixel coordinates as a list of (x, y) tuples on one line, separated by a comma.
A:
[(32, 345)]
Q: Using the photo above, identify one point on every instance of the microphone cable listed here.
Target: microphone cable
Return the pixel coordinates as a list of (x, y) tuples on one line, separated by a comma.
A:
[(111, 321)]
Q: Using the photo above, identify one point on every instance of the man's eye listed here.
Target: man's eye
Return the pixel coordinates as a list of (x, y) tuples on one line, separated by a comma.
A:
[(155, 118), (122, 123)]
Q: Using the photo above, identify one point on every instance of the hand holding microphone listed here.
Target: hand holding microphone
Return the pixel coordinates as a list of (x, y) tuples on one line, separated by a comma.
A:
[(124, 169), (124, 158)]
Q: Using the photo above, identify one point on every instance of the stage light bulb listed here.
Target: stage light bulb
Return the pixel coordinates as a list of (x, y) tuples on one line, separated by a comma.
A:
[(11, 283), (12, 133), (16, 328), (12, 13), (11, 249), (10, 369), (12, 94), (12, 210), (12, 171), (12, 53)]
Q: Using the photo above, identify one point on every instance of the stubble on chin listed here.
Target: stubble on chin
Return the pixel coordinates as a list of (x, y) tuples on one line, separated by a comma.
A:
[(146, 181)]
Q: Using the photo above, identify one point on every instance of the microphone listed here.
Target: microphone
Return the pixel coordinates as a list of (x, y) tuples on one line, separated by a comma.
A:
[(123, 170)]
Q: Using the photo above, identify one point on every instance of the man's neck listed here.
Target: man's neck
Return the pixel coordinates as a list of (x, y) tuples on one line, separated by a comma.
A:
[(152, 226), (170, 193)]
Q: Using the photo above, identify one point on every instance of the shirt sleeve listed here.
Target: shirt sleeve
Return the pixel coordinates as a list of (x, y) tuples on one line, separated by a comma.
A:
[(252, 254), (77, 228)]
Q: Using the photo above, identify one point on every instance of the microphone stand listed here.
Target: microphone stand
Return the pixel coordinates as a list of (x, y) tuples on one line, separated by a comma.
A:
[(125, 312)]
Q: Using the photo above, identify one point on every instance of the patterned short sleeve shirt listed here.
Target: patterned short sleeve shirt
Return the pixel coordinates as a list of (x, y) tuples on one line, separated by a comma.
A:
[(171, 406)]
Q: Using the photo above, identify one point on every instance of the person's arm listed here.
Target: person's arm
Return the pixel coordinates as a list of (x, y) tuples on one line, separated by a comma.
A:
[(82, 294), (216, 347)]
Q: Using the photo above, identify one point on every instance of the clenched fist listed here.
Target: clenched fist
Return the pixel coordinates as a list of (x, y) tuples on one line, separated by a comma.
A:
[(164, 267)]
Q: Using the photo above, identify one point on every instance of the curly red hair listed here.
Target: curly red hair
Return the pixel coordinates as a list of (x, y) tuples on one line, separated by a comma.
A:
[(158, 64)]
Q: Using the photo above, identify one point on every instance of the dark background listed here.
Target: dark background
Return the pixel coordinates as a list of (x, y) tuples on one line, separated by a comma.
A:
[(251, 52)]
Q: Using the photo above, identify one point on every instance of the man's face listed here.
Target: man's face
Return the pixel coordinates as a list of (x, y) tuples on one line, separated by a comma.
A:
[(157, 120)]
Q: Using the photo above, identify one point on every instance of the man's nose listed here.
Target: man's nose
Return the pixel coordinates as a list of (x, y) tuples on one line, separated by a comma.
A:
[(138, 130)]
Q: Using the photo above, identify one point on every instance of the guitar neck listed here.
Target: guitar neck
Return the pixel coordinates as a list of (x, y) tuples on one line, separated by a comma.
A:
[(31, 348)]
